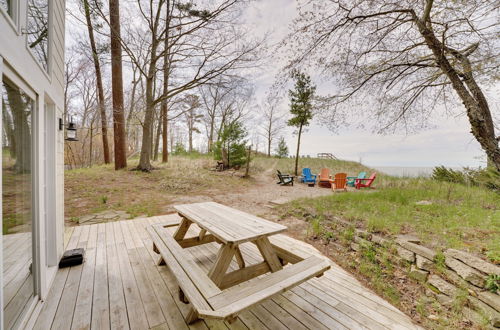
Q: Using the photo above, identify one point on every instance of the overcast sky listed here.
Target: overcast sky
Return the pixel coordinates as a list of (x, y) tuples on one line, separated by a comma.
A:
[(447, 143)]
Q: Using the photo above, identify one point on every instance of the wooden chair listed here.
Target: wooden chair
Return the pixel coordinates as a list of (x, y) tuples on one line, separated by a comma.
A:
[(325, 178), (352, 179), (308, 177), (366, 183), (284, 179), (339, 182)]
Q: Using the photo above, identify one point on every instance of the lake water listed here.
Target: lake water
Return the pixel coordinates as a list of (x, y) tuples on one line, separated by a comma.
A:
[(402, 171)]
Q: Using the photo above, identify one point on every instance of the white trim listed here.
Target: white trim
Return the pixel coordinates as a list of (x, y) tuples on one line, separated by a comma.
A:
[(14, 19)]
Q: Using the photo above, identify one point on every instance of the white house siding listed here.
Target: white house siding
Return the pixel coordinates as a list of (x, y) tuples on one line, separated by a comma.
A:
[(16, 61)]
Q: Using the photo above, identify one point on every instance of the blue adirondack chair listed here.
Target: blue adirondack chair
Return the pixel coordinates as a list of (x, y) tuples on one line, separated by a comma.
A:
[(351, 180), (307, 176)]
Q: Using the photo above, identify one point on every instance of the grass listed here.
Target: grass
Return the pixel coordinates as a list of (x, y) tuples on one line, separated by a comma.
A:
[(456, 216), (99, 188)]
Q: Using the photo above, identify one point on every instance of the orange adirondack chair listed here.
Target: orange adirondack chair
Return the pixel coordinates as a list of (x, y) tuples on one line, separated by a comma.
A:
[(339, 182), (366, 183), (325, 178)]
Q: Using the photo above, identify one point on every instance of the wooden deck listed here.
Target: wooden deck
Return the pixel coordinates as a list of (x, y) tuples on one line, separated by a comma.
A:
[(17, 278), (120, 287)]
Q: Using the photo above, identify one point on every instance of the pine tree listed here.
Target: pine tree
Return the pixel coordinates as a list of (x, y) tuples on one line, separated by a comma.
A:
[(282, 149), (300, 106)]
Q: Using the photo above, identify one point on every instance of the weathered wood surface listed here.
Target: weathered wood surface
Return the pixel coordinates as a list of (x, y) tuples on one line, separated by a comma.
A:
[(334, 301), (219, 220)]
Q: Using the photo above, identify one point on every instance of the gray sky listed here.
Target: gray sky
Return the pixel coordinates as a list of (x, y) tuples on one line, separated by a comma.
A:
[(447, 143)]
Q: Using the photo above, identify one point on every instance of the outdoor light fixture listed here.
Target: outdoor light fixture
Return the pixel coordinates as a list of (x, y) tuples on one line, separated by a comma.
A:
[(71, 131)]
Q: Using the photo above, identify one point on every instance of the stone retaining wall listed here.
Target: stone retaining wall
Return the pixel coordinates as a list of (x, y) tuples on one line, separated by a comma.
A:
[(447, 273)]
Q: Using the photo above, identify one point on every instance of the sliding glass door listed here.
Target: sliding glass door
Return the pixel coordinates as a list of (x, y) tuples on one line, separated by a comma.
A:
[(17, 201)]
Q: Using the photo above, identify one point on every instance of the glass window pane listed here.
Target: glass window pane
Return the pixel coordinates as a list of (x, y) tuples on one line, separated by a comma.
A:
[(7, 5), (38, 29), (17, 114)]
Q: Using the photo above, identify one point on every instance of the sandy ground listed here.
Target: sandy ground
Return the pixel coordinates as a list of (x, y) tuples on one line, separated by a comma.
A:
[(259, 197)]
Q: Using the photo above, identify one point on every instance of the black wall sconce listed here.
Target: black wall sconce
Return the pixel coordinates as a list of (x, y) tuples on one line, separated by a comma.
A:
[(70, 130)]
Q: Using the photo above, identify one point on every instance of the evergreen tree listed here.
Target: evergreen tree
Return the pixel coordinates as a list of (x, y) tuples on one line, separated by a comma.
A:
[(301, 106), (282, 149), (231, 146)]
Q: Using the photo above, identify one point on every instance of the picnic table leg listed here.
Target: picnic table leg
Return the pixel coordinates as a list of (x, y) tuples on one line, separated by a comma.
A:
[(192, 316), (182, 229), (267, 251), (239, 257), (219, 268)]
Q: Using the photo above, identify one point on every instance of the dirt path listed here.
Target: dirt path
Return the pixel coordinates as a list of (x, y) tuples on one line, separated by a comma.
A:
[(260, 196)]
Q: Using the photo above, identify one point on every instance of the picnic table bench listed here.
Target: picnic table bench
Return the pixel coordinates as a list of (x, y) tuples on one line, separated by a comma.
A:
[(219, 294)]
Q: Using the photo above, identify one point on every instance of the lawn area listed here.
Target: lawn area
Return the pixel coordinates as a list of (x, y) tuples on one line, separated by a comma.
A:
[(443, 215), (99, 188)]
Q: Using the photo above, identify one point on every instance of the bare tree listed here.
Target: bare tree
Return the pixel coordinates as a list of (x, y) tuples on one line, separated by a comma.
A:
[(272, 121), (404, 58), (192, 116), (117, 82), (100, 89)]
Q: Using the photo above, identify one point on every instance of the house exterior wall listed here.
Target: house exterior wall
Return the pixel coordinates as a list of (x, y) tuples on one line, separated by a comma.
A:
[(19, 65)]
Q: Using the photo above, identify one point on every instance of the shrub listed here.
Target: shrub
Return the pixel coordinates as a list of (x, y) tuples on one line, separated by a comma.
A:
[(488, 178)]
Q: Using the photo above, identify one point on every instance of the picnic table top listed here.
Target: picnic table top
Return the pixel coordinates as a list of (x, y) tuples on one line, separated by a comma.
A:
[(228, 224)]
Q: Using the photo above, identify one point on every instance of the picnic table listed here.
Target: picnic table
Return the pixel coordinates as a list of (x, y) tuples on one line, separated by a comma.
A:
[(220, 294)]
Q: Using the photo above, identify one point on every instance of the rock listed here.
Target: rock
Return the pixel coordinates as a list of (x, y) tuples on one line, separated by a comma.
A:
[(280, 201), (86, 218), (473, 315), (424, 263), (408, 238), (444, 299), (474, 261), (418, 249), (493, 300), (467, 273), (423, 203), (433, 317), (355, 246), (379, 240), (418, 274), (443, 286), (492, 315), (405, 254)]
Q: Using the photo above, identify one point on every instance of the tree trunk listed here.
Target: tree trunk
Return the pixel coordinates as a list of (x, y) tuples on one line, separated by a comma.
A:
[(157, 141), (164, 103), (117, 86), (100, 89), (298, 149), (91, 144), (469, 92), (269, 147), (22, 131)]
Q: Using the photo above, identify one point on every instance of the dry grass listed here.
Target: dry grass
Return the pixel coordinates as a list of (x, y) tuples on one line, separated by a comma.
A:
[(91, 190)]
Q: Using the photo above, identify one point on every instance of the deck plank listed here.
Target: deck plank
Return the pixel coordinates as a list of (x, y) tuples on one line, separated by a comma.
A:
[(120, 287)]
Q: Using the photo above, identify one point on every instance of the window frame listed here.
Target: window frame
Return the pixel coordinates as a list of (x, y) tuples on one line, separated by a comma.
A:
[(47, 71), (13, 20)]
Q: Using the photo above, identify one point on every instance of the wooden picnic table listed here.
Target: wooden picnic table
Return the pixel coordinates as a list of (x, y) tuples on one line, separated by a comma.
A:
[(220, 294)]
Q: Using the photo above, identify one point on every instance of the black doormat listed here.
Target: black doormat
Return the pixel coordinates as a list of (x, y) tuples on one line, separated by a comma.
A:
[(72, 258)]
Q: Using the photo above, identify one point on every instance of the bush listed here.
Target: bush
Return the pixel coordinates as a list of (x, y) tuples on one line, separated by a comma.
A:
[(488, 178)]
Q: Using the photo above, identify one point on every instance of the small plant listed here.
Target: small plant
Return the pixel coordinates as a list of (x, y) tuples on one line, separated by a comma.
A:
[(104, 199), (348, 234), (459, 300), (493, 283), (439, 260), (316, 227)]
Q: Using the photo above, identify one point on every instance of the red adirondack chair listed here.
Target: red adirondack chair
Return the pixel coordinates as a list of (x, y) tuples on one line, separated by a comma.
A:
[(366, 183)]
